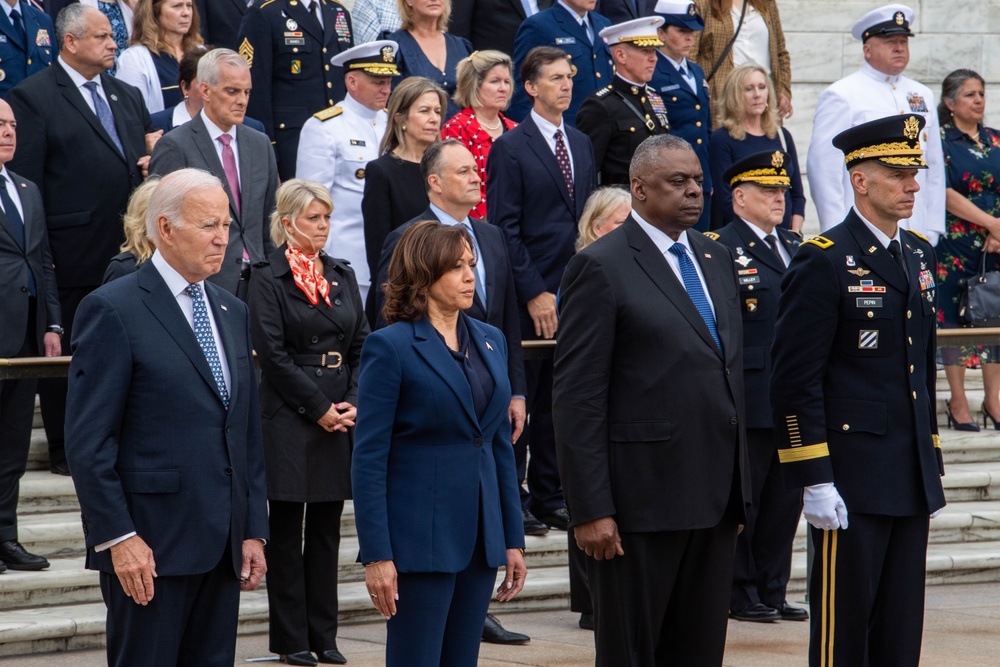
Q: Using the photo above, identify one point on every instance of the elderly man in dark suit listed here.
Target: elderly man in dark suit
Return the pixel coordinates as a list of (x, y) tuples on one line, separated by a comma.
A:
[(220, 21), (84, 142), (492, 24), (29, 326), (539, 176), (217, 141), (648, 407), (165, 440)]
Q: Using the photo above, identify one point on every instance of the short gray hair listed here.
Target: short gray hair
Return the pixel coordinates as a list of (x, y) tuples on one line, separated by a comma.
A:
[(211, 62), (647, 155), (72, 20), (168, 198)]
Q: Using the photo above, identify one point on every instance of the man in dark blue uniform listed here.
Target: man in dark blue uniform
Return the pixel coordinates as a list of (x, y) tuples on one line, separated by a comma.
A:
[(762, 251), (26, 38), (288, 45), (681, 84), (853, 396)]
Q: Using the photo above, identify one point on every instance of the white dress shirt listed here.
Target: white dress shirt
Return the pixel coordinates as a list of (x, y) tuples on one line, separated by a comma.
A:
[(14, 196), (761, 234), (664, 243), (753, 44), (78, 81), (548, 131), (881, 236), (687, 75), (181, 115)]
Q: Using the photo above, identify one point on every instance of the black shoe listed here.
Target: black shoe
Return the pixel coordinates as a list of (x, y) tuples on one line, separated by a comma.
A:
[(59, 469), (494, 633), (299, 658), (17, 558), (587, 621), (957, 425), (996, 424), (790, 613), (558, 519), (3, 567), (532, 526), (331, 656), (756, 613)]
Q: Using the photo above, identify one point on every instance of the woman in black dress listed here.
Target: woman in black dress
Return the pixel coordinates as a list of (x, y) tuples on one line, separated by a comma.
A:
[(308, 326)]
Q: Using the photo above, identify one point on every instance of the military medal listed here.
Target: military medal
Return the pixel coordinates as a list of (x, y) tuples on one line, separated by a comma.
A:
[(916, 102), (866, 286), (341, 28), (42, 38), (926, 280), (850, 260)]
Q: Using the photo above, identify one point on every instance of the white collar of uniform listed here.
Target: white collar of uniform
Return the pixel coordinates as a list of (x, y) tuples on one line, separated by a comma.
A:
[(683, 62), (879, 234), (175, 281), (630, 81), (761, 234), (547, 128), (881, 77), (79, 79), (572, 12), (359, 109), (214, 131), (660, 239)]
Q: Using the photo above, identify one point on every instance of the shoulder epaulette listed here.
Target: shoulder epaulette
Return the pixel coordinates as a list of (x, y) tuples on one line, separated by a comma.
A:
[(264, 4), (328, 113), (819, 242), (919, 236), (711, 235), (603, 91)]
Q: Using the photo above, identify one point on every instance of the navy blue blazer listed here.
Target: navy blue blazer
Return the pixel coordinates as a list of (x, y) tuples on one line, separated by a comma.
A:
[(618, 11), (17, 61), (164, 120), (689, 114), (152, 447), (555, 26), (424, 467), (530, 203)]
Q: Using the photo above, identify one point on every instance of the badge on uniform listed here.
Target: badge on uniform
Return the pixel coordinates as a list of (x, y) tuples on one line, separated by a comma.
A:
[(357, 142), (850, 260), (296, 66), (868, 339), (561, 41), (291, 24), (917, 103), (926, 280), (751, 305), (869, 302), (341, 28), (859, 272), (866, 286), (359, 174), (743, 260), (246, 50), (749, 280), (42, 38), (3, 39), (746, 272)]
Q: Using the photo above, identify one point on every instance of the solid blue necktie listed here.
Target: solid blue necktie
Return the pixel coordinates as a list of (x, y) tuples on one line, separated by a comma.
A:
[(203, 332), (18, 224), (692, 284), (480, 265), (104, 115), (15, 19)]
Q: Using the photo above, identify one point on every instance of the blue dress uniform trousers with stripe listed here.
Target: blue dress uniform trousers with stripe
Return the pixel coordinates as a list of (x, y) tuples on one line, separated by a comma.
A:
[(289, 56), (853, 398), (20, 59)]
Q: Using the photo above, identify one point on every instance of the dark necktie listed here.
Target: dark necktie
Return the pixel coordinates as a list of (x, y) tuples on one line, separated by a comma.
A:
[(18, 224), (15, 18), (897, 254), (314, 10), (206, 340), (773, 242), (104, 115), (590, 31), (692, 285), (562, 157)]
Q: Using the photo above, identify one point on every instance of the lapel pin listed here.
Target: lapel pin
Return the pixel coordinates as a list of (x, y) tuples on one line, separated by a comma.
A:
[(114, 98), (707, 256), (223, 306), (871, 250), (488, 346)]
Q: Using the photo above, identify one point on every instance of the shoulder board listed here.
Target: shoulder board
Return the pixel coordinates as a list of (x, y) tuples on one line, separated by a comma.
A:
[(819, 242), (711, 235), (328, 113), (603, 91), (265, 4), (919, 236)]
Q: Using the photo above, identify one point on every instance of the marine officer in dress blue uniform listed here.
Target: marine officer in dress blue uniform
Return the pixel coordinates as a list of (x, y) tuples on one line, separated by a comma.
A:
[(626, 112), (26, 36), (573, 26), (338, 142), (853, 398), (762, 251), (288, 45), (681, 84)]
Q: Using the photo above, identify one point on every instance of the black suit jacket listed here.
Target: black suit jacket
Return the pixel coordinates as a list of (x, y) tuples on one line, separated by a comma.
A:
[(220, 21), (489, 24), (501, 312), (15, 262), (648, 412), (84, 180), (53, 7), (622, 10), (759, 274), (530, 203)]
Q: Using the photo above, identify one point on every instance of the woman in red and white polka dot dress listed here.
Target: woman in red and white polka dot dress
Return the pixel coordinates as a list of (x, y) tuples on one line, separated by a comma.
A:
[(485, 85)]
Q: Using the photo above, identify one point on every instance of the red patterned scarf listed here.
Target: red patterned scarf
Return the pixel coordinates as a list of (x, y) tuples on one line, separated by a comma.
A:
[(309, 279)]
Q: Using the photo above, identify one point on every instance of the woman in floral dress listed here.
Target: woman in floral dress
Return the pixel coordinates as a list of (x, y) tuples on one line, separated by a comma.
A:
[(972, 226)]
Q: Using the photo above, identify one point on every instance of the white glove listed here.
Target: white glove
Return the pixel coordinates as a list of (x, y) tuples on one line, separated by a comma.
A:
[(823, 507)]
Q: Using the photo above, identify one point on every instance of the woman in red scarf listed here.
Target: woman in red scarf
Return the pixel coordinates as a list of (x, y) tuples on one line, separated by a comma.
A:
[(308, 327)]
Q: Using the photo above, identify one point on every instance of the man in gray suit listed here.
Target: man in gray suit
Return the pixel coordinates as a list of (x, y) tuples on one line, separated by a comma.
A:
[(217, 141), (29, 326)]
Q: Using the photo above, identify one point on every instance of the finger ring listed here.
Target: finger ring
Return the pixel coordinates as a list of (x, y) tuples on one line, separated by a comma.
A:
[(374, 596)]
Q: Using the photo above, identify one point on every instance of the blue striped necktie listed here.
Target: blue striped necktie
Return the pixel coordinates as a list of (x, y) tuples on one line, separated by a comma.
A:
[(692, 284)]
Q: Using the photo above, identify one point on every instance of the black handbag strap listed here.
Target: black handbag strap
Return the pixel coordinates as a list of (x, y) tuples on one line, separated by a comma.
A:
[(729, 46)]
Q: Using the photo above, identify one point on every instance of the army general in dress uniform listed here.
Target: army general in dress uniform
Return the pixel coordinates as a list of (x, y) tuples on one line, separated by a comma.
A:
[(853, 397), (288, 45), (622, 115), (26, 35)]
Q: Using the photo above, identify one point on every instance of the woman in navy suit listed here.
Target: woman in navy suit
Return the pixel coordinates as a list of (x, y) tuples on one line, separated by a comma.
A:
[(435, 488)]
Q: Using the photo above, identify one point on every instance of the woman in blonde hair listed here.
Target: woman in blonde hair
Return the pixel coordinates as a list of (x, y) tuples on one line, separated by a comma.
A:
[(746, 115), (137, 247), (308, 326), (426, 48), (484, 88), (162, 31), (606, 209)]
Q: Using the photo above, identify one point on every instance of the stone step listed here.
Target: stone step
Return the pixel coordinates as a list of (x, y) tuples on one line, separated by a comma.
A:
[(972, 481), (966, 447), (52, 534), (41, 491)]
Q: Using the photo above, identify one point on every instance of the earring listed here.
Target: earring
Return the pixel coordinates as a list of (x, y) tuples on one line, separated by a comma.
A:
[(404, 128)]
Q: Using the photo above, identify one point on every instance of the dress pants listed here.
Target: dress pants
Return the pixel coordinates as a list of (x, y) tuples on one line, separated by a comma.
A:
[(191, 620), (764, 548), (17, 408), (866, 592), (439, 616), (302, 581), (579, 585), (665, 602), (544, 492)]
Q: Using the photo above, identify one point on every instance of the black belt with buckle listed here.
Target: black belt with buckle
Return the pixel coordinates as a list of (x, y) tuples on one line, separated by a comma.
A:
[(328, 360)]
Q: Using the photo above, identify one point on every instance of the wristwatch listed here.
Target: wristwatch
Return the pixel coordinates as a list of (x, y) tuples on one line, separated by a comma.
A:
[(56, 329)]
